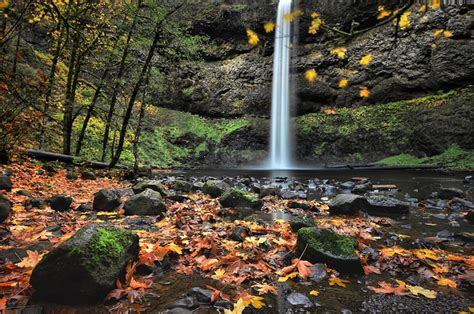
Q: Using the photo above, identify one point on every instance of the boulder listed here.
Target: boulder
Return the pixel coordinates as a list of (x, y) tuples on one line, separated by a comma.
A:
[(88, 175), (215, 188), (299, 300), (297, 223), (5, 183), (183, 186), (347, 204), (361, 188), (60, 203), (86, 207), (35, 203), (106, 200), (24, 193), (269, 189), (449, 193), (326, 246), (238, 198), (5, 207), (300, 204), (381, 205), (154, 185), (84, 268), (349, 185), (202, 295), (318, 272), (470, 216), (146, 203)]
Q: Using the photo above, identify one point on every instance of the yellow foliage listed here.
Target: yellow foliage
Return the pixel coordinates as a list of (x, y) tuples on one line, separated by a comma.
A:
[(4, 4), (383, 13), (422, 8), (438, 32), (337, 281), (311, 75), (447, 34), (252, 37), (365, 60), (314, 292), (285, 278), (255, 301), (364, 92), (238, 308), (447, 282), (315, 23), (405, 20), (269, 27), (417, 290), (435, 4), (340, 52), (343, 83), (289, 17)]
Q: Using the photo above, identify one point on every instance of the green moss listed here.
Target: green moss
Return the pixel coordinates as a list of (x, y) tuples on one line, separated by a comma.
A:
[(236, 192), (328, 241), (188, 91), (454, 157)]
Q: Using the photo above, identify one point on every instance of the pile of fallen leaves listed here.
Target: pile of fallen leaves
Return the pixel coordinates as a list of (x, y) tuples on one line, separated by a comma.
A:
[(194, 239)]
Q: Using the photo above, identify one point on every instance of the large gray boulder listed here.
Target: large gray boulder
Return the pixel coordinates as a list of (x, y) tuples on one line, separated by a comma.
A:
[(326, 246), (107, 200), (381, 205), (270, 189), (5, 183), (215, 188), (5, 207), (146, 203), (238, 198), (347, 204), (154, 185), (84, 268)]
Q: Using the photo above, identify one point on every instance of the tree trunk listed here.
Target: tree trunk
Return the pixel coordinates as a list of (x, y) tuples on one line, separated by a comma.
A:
[(90, 111), (115, 90), (138, 132), (17, 49), (133, 97)]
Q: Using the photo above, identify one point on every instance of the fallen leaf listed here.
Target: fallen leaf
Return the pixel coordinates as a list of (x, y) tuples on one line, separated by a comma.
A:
[(365, 60), (340, 52), (343, 83), (311, 75), (218, 274), (252, 37), (269, 27), (314, 292), (337, 281), (364, 92), (447, 282), (285, 278), (265, 288)]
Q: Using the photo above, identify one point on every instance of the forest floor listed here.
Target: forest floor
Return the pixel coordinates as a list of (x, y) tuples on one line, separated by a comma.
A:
[(404, 269)]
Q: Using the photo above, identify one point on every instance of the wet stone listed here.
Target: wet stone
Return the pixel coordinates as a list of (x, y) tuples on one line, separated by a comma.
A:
[(107, 200), (270, 189), (318, 272), (299, 204), (215, 188), (88, 175), (60, 202), (5, 207), (299, 300), (202, 295), (449, 193), (189, 303), (35, 203), (381, 205), (5, 183), (347, 204), (239, 233), (224, 304), (154, 185)]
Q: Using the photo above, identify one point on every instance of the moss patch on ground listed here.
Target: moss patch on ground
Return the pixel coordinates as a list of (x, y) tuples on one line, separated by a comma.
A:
[(328, 241)]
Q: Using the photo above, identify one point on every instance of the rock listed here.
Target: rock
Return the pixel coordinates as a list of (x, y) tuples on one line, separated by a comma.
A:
[(5, 183), (224, 304), (84, 268), (269, 189), (290, 195), (349, 185), (146, 203), (60, 203), (35, 203), (85, 208), (299, 204), (154, 185), (470, 216), (299, 300), (88, 175), (449, 193), (238, 198), (318, 272), (178, 198), (239, 233), (5, 207), (297, 223), (202, 295), (71, 175), (24, 193), (326, 246), (8, 171), (183, 186), (361, 188), (467, 180), (189, 303), (215, 188), (197, 186), (347, 204), (255, 187), (107, 200), (381, 205)]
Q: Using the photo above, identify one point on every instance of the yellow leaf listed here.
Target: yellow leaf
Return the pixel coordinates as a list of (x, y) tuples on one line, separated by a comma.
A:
[(417, 290), (447, 34), (435, 4), (175, 248), (364, 92), (447, 282), (422, 8), (265, 288), (254, 241), (426, 253), (310, 75), (4, 4), (315, 23), (269, 27), (314, 15), (252, 37), (314, 292), (31, 260), (238, 307), (343, 83), (285, 278), (438, 32), (383, 13), (365, 60), (404, 20), (218, 274), (289, 17), (337, 281), (256, 302), (340, 52)]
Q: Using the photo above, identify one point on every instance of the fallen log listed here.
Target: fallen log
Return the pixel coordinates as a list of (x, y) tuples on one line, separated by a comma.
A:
[(44, 155)]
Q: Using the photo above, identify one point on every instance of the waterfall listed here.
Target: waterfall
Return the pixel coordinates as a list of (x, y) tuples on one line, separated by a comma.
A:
[(280, 146)]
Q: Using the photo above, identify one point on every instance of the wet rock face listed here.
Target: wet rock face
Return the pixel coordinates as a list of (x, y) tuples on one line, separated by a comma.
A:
[(107, 200), (326, 246), (381, 205), (93, 259), (147, 203)]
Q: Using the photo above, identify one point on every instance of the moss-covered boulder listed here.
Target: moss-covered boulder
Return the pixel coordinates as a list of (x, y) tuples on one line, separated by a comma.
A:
[(154, 185), (182, 186), (215, 188), (238, 198), (84, 268), (326, 246), (146, 203)]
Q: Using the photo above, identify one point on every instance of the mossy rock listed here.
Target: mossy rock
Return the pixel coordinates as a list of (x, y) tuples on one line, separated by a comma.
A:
[(84, 268), (154, 185), (146, 203), (183, 186), (238, 198), (215, 188), (326, 246)]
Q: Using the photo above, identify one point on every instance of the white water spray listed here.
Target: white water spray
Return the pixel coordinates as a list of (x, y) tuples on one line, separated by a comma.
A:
[(280, 147)]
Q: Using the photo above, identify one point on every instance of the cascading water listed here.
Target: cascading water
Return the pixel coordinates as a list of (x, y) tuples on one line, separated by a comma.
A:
[(280, 146)]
